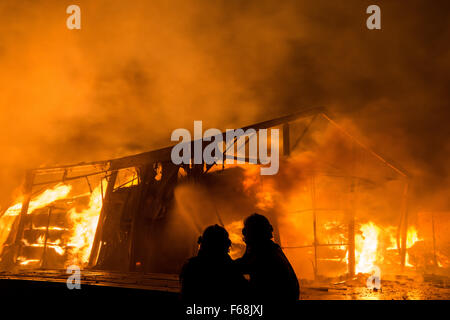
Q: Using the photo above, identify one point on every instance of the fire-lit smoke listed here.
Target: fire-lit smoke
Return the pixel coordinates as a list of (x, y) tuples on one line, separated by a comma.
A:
[(135, 71)]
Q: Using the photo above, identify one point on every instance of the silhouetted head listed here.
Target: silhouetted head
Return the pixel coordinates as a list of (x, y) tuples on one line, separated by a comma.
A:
[(257, 229), (215, 240)]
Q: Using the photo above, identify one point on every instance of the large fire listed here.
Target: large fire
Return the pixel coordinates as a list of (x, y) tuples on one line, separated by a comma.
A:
[(366, 245), (78, 239), (76, 244), (60, 191), (84, 227), (368, 253), (47, 197)]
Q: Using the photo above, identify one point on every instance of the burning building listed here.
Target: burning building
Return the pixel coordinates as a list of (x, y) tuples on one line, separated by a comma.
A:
[(338, 208)]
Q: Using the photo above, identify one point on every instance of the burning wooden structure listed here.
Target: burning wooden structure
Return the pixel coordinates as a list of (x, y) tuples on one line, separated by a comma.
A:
[(118, 214)]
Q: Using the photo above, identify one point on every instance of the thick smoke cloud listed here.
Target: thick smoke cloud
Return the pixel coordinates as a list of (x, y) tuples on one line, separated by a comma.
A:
[(137, 70)]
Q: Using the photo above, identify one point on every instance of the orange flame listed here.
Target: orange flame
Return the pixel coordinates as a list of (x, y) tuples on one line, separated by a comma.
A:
[(411, 238), (81, 233), (60, 191), (366, 248), (84, 227)]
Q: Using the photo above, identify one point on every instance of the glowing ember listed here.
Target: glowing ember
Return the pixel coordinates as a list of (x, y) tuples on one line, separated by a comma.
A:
[(25, 262), (53, 245), (50, 228)]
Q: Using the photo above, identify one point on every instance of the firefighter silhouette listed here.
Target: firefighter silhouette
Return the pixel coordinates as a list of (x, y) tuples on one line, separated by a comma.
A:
[(272, 278), (212, 276)]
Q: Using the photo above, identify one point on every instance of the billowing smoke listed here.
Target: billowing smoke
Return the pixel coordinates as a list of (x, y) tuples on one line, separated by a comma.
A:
[(136, 71)]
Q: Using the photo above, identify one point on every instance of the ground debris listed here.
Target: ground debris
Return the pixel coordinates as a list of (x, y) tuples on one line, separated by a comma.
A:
[(393, 287)]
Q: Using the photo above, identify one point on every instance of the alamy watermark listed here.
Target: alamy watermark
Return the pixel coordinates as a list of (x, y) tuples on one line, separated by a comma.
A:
[(74, 20), (218, 147), (374, 281), (373, 22), (74, 280)]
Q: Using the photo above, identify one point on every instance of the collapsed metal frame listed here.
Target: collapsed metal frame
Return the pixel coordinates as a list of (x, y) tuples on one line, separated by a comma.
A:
[(111, 167), (403, 222)]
